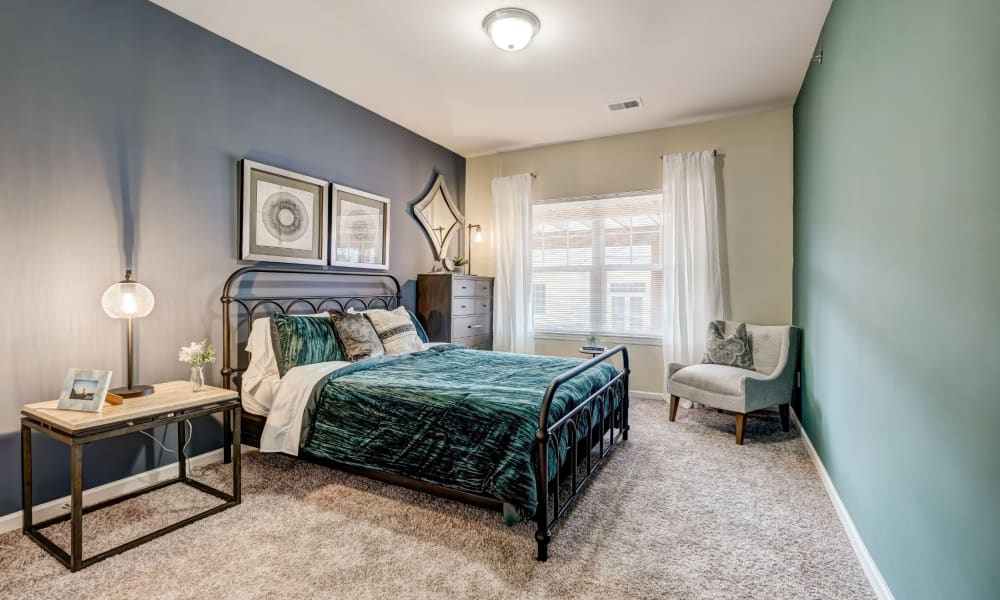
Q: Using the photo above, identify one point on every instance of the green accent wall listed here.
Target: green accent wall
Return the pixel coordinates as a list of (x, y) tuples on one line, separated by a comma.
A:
[(897, 283)]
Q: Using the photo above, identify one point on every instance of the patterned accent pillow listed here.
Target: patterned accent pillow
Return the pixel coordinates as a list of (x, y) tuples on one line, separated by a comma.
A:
[(731, 350), (421, 332), (358, 339), (395, 329), (302, 340)]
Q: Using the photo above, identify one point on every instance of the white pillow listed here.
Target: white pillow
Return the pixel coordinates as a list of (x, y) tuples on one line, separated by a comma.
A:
[(261, 378)]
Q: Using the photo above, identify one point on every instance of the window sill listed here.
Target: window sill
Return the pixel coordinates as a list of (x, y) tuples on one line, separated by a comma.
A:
[(637, 340)]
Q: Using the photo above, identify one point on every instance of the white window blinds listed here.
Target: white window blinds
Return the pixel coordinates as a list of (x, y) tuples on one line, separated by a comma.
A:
[(596, 265)]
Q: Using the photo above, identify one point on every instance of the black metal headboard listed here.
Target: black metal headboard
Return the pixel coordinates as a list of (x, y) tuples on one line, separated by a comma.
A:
[(250, 305)]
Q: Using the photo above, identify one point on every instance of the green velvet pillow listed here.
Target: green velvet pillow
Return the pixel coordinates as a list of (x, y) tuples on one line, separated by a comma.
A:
[(300, 340)]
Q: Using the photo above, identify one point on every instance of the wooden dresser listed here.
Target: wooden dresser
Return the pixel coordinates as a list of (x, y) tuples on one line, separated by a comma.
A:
[(456, 308)]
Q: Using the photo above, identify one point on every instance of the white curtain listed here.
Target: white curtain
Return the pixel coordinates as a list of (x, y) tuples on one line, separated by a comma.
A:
[(691, 255), (513, 328)]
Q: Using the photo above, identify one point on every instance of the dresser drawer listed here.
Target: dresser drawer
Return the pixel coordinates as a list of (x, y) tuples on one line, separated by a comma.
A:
[(472, 325), (479, 342), (471, 306), (464, 287)]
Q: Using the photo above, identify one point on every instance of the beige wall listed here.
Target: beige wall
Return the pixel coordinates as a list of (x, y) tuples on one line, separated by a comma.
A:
[(756, 155)]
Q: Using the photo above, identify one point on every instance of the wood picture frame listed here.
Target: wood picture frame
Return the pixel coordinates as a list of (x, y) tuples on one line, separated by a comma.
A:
[(359, 229), (283, 215)]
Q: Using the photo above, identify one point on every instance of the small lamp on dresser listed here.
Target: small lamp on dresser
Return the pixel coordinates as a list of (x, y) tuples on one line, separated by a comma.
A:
[(477, 237), (128, 299)]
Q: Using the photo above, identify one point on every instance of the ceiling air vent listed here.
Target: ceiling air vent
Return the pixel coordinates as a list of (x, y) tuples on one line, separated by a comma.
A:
[(625, 104)]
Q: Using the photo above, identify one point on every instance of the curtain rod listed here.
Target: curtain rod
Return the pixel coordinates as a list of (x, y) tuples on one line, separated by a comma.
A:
[(714, 153)]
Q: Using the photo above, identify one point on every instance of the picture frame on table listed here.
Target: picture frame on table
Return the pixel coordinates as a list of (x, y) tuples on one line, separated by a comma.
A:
[(359, 229), (84, 389), (283, 215)]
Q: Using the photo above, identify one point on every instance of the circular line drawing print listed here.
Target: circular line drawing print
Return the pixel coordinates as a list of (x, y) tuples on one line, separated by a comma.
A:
[(285, 217)]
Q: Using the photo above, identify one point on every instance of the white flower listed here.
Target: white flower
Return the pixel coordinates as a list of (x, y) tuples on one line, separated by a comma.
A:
[(197, 354)]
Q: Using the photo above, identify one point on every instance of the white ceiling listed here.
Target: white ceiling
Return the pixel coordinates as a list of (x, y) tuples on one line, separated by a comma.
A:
[(428, 66)]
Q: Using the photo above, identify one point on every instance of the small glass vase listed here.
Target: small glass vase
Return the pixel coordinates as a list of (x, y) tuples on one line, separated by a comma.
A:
[(197, 378)]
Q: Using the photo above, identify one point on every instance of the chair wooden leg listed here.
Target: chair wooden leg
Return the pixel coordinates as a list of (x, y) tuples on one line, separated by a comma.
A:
[(783, 413), (741, 421), (674, 401)]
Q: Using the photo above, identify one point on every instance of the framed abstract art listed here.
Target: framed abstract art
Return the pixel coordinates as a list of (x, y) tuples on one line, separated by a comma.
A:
[(282, 215), (359, 229)]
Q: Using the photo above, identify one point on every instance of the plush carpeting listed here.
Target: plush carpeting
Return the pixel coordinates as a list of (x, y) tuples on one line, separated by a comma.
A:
[(680, 512)]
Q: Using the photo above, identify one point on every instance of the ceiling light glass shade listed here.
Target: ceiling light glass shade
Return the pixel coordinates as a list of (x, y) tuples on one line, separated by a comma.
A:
[(511, 29), (127, 299)]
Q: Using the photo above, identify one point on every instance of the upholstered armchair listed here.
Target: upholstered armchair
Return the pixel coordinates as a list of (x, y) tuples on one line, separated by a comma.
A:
[(772, 381)]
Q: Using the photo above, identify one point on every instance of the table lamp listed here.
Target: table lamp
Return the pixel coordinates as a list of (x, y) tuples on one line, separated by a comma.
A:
[(477, 237), (128, 299)]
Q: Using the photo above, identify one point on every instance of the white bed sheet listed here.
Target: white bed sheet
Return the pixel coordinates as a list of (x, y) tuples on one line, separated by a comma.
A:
[(283, 427)]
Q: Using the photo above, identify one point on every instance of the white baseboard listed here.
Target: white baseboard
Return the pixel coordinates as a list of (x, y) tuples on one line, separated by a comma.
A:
[(641, 395), (100, 493), (867, 563)]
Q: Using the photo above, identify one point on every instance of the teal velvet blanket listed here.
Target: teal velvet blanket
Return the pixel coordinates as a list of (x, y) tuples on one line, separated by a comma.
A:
[(458, 418)]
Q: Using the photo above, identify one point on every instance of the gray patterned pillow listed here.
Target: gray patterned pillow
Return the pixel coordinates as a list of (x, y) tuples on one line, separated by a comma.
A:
[(731, 350), (356, 335)]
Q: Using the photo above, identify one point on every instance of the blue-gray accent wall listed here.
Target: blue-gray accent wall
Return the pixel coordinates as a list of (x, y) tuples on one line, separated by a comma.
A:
[(897, 247), (121, 125)]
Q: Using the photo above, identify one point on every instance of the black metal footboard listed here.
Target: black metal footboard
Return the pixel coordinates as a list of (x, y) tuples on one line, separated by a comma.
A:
[(610, 405)]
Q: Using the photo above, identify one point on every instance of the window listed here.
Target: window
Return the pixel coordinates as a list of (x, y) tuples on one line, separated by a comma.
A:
[(538, 299), (596, 265)]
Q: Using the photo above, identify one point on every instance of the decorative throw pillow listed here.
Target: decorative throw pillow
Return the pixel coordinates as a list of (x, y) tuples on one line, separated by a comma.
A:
[(421, 332), (395, 330), (358, 339), (732, 350), (302, 340)]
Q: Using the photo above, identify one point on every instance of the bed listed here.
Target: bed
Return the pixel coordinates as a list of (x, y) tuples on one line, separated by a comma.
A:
[(519, 434)]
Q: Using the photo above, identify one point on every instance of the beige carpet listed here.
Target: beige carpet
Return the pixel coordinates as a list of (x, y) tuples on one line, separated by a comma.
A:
[(680, 512)]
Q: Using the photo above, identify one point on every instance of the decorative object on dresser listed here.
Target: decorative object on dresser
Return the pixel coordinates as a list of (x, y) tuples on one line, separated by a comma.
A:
[(439, 217), (773, 353), (282, 215), (458, 264), (172, 403), (473, 237), (456, 308), (129, 300), (360, 229)]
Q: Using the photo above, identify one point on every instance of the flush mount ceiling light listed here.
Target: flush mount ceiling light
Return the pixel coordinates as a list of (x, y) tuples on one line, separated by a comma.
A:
[(511, 29)]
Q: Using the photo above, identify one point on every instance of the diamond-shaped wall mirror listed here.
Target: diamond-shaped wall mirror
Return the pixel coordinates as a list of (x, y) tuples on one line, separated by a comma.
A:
[(439, 217)]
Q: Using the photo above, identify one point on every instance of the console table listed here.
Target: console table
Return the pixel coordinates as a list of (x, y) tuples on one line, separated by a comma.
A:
[(172, 402)]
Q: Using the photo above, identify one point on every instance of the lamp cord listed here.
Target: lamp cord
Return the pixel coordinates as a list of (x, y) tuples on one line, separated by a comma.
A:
[(196, 472), (183, 451)]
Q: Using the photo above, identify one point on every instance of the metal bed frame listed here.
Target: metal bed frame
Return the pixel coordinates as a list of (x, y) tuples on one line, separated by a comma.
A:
[(586, 441)]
